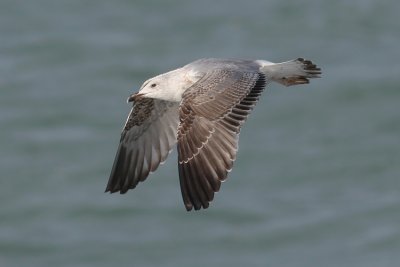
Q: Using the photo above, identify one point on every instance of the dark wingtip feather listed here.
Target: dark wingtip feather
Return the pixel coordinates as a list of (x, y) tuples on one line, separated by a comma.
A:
[(188, 207)]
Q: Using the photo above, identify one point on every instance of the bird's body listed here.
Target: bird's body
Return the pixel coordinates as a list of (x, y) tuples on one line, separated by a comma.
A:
[(201, 107)]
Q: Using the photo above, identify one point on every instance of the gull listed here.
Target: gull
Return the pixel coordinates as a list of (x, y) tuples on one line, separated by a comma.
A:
[(201, 107)]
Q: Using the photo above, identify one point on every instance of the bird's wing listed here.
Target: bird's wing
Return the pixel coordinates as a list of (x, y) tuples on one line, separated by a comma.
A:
[(146, 140), (211, 114)]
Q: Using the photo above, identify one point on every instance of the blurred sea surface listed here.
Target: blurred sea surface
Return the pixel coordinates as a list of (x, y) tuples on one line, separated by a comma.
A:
[(316, 181)]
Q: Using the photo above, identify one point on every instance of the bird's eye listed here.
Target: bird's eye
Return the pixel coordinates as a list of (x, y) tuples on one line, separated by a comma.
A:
[(153, 85)]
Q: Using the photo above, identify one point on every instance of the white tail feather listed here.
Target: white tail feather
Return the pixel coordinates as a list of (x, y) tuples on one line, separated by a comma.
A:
[(292, 72)]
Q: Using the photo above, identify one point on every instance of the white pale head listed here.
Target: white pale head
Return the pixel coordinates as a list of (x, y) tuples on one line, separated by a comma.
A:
[(168, 86)]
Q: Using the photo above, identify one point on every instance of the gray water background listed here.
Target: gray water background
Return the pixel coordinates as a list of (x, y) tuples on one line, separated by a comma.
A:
[(316, 181)]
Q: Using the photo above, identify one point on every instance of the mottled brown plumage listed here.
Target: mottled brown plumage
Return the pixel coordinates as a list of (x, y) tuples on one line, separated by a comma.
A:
[(201, 107), (146, 140), (141, 111), (211, 115)]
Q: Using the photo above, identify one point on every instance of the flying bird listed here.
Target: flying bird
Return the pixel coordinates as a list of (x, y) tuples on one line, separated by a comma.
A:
[(201, 108)]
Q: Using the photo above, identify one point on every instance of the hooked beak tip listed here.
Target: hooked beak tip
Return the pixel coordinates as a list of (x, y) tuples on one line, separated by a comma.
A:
[(134, 97)]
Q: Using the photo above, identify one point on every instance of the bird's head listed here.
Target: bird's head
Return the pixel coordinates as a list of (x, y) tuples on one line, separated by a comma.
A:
[(168, 86)]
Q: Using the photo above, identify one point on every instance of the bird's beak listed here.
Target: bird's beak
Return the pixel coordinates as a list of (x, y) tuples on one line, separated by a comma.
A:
[(134, 97)]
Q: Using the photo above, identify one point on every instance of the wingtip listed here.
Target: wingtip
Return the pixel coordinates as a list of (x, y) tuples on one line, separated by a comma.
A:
[(108, 190), (188, 207)]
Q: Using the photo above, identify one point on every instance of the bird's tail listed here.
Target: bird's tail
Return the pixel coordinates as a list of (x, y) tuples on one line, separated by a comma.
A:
[(292, 72)]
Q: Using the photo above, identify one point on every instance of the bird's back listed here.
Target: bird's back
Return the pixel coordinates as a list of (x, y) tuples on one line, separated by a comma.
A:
[(207, 64)]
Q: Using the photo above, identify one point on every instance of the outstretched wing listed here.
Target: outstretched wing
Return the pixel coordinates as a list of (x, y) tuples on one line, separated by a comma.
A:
[(146, 140), (211, 114)]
